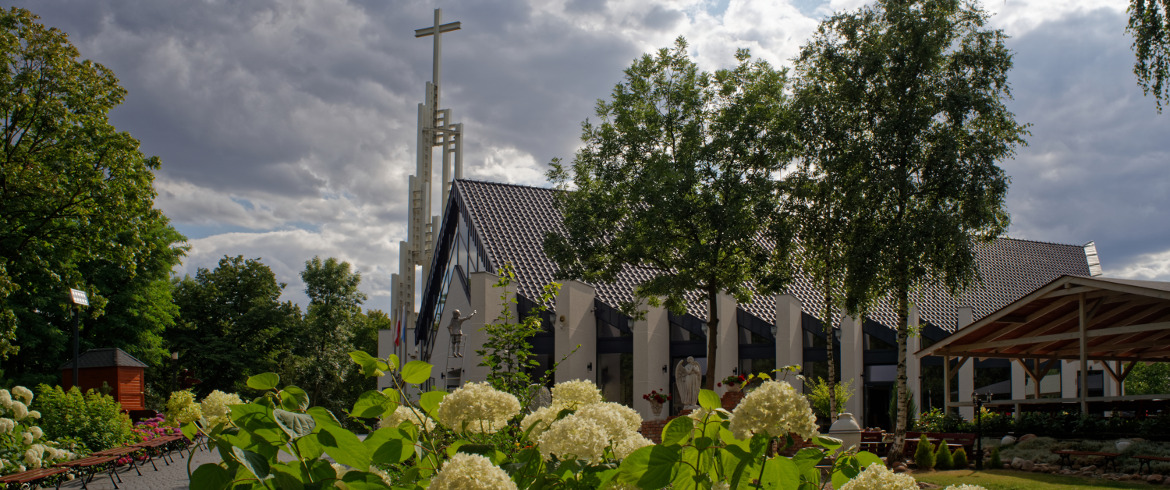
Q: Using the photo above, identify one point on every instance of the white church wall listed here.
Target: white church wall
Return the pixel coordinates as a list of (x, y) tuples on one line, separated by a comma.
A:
[(576, 327), (651, 359), (727, 341), (789, 336)]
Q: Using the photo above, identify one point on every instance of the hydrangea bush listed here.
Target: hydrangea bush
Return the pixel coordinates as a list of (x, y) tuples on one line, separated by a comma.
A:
[(477, 437), (22, 443)]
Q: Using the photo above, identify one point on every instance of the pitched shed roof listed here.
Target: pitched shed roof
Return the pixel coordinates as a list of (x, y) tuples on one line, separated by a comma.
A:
[(1125, 320), (104, 357), (512, 221)]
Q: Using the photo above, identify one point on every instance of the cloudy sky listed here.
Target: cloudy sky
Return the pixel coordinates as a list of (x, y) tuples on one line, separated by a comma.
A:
[(286, 127)]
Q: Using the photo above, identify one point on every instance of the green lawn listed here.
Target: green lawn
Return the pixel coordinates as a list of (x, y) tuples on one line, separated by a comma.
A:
[(1018, 480)]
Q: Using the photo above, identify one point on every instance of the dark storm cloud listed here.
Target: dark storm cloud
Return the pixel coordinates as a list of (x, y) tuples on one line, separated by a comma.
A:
[(1096, 165)]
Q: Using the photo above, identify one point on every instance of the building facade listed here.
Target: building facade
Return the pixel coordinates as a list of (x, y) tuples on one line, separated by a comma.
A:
[(486, 225)]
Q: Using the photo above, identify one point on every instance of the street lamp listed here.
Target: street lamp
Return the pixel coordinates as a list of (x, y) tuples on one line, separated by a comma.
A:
[(79, 300), (979, 399)]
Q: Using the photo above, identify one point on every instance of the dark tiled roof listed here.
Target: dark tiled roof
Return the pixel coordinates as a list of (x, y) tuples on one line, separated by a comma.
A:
[(512, 221), (105, 357)]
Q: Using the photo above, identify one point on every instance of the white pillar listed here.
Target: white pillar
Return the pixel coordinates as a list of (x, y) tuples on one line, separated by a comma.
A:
[(1068, 379), (853, 365), (913, 363), (651, 359), (727, 343), (966, 373), (485, 301), (789, 336), (576, 325)]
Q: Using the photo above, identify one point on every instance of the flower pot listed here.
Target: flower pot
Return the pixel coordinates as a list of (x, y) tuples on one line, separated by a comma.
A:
[(656, 407)]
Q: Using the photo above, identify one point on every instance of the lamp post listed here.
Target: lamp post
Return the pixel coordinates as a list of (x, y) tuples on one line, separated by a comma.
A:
[(979, 400), (79, 300)]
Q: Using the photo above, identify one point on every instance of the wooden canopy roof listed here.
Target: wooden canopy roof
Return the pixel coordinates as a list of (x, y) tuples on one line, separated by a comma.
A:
[(1112, 319)]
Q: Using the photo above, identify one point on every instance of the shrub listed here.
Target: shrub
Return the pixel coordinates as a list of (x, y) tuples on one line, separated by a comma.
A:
[(182, 409), (23, 445), (94, 419), (924, 455), (935, 420), (959, 459), (818, 396), (942, 456), (995, 462)]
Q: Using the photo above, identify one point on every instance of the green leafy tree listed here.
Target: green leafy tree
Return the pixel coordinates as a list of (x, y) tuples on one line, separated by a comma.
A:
[(678, 179), (327, 336), (507, 352), (232, 324), (1150, 28), (917, 89), (77, 200), (1151, 378)]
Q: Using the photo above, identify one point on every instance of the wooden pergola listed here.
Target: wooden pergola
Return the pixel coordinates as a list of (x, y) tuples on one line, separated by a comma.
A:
[(1118, 322)]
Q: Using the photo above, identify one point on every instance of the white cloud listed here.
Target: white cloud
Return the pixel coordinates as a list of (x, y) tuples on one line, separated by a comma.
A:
[(1150, 267)]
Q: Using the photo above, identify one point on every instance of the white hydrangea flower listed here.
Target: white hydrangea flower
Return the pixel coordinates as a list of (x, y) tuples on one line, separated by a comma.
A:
[(776, 409), (216, 407), (575, 394), (36, 432), (27, 437), (33, 414), (32, 456), (632, 442), (721, 485), (878, 477), (24, 393), (19, 410), (482, 408), (574, 436), (406, 414), (5, 398), (470, 472), (6, 425), (543, 417), (965, 486), (618, 420)]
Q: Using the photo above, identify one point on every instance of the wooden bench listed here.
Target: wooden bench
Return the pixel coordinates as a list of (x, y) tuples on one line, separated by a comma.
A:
[(119, 452), (955, 440), (874, 442), (1145, 462), (1109, 460), (89, 466), (32, 478)]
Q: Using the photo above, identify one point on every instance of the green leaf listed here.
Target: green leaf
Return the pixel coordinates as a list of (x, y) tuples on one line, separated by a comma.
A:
[(649, 467), (677, 431), (389, 445), (392, 362), (289, 476), (321, 470), (416, 372), (309, 447), (370, 364), (362, 480), (264, 381), (296, 425), (429, 402), (210, 476), (255, 463), (807, 458), (344, 447), (866, 458), (189, 430), (372, 403), (709, 400), (293, 398), (781, 473), (323, 416)]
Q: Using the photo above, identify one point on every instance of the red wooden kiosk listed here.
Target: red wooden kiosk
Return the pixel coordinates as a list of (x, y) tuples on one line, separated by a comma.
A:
[(121, 371)]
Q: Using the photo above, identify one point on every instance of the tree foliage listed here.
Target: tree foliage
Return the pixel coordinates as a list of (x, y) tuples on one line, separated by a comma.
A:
[(907, 98), (333, 317), (677, 179), (1150, 28), (233, 324), (77, 207)]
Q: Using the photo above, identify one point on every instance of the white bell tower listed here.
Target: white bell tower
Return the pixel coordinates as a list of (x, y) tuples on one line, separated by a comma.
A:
[(435, 129)]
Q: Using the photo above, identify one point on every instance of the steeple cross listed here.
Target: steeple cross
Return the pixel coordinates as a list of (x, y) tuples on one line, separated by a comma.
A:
[(437, 30)]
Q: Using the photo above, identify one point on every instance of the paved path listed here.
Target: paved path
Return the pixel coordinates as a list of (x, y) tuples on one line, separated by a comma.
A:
[(168, 477)]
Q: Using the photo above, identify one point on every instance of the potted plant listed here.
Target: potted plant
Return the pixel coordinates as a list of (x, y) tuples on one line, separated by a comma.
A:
[(656, 400)]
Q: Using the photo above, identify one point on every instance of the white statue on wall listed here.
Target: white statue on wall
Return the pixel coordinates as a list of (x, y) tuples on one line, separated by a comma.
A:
[(687, 376), (456, 329)]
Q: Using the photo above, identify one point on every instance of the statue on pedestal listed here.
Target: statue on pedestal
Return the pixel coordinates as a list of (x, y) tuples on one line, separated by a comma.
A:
[(687, 376)]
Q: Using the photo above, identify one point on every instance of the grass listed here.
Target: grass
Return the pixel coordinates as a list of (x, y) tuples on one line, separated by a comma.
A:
[(1017, 480)]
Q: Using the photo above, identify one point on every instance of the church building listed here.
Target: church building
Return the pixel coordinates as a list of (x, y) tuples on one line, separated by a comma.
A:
[(486, 225)]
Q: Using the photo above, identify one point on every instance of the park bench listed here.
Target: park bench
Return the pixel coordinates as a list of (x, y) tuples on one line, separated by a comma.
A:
[(1109, 460), (955, 440), (159, 446), (119, 452), (874, 442), (1146, 461), (87, 467), (32, 478)]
